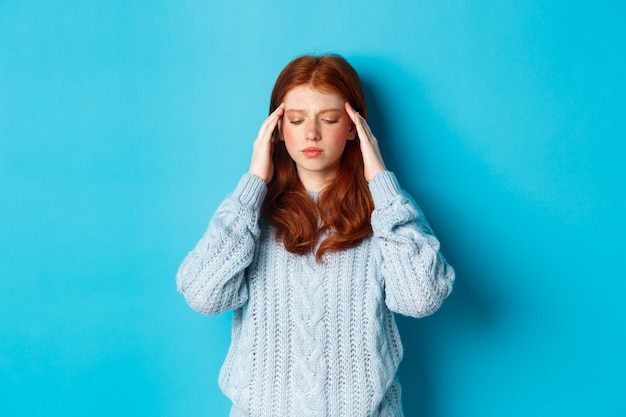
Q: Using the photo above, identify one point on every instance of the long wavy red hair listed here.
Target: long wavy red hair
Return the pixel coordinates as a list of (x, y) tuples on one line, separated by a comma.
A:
[(343, 209)]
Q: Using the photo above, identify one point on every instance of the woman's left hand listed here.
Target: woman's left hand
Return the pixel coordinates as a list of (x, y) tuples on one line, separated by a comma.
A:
[(372, 159)]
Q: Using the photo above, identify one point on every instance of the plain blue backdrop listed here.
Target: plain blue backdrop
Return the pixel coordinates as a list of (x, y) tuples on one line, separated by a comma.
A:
[(123, 124)]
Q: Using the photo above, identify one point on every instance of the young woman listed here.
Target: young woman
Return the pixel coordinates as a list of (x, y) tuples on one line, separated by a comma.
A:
[(315, 250)]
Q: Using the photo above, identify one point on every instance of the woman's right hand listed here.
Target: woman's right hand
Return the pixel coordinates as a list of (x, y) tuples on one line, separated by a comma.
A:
[(261, 164)]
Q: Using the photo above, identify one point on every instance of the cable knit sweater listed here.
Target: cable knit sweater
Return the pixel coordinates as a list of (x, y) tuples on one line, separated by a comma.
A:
[(309, 338)]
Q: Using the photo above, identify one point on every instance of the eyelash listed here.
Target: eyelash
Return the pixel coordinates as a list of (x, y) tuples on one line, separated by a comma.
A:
[(327, 121)]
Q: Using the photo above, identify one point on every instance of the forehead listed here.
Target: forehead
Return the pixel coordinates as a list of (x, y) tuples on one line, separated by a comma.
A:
[(304, 97)]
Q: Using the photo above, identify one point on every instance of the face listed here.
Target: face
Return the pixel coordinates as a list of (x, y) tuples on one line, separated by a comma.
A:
[(315, 128)]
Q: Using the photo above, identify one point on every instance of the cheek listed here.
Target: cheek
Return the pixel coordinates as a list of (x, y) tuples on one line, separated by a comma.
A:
[(288, 132), (290, 140), (288, 137), (338, 133), (343, 128)]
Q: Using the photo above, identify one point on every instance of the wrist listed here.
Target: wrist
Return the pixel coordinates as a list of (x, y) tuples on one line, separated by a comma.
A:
[(260, 173), (371, 172)]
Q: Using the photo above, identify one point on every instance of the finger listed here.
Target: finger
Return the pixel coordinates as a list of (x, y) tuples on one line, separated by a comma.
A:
[(272, 120), (268, 126), (352, 114), (357, 119), (368, 131), (363, 129)]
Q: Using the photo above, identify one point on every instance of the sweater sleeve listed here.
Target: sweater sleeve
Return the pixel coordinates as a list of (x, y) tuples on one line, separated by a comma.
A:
[(416, 277), (211, 277)]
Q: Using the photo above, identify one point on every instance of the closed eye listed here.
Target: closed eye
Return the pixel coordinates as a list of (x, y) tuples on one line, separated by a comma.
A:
[(330, 121), (296, 122)]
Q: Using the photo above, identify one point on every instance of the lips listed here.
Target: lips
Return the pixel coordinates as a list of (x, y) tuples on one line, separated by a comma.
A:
[(312, 152)]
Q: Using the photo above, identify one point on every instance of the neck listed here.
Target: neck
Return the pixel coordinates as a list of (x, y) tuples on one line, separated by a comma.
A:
[(315, 183)]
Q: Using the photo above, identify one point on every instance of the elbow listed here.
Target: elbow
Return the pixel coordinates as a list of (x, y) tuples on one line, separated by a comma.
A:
[(439, 292), (197, 293), (425, 299), (418, 308), (213, 301), (424, 307), (201, 304), (428, 307)]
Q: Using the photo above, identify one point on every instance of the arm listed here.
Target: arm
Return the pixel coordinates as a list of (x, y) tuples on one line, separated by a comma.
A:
[(416, 276), (211, 277)]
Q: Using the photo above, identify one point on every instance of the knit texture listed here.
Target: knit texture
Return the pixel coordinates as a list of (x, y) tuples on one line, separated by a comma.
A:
[(309, 338)]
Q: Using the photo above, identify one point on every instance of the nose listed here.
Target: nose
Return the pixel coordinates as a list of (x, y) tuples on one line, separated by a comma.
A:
[(312, 131)]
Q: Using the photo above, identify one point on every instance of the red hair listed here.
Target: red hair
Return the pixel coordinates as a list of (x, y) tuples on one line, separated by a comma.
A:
[(343, 210)]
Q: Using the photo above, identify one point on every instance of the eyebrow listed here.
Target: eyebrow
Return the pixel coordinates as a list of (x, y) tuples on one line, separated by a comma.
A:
[(321, 112)]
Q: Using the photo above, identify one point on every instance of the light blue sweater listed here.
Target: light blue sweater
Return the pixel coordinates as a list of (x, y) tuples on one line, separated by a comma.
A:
[(309, 338)]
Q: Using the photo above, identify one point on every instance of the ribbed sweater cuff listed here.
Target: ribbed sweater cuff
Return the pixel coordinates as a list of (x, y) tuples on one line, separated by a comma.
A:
[(251, 190), (384, 186)]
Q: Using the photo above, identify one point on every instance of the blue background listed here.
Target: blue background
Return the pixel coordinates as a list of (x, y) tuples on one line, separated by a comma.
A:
[(124, 124)]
